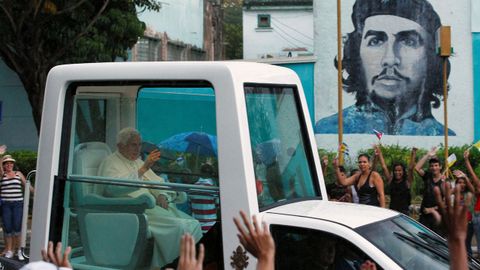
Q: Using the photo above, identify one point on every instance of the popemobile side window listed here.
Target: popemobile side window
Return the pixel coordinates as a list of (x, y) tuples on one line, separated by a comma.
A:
[(301, 248), (143, 171), (282, 157)]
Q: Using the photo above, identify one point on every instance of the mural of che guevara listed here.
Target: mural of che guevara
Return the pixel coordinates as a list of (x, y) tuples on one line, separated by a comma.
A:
[(390, 64)]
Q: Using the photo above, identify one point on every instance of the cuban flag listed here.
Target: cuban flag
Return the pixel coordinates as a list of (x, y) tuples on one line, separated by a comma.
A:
[(377, 133)]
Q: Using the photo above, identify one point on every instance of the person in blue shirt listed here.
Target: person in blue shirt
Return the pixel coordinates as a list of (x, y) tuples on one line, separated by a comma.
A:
[(391, 66)]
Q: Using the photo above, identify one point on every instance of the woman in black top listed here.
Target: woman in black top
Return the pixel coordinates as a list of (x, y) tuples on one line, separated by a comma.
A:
[(368, 183), (400, 182)]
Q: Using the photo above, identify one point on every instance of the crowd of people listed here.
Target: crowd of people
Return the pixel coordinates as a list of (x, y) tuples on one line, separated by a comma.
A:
[(458, 221), (367, 186)]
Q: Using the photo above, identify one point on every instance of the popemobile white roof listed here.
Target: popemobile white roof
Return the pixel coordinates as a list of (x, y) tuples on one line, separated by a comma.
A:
[(213, 71), (348, 214)]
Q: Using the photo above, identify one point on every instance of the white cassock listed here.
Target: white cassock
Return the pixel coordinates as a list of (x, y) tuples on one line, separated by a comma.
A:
[(167, 225)]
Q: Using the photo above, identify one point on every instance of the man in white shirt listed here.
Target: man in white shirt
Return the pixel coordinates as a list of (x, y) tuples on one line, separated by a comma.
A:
[(165, 221)]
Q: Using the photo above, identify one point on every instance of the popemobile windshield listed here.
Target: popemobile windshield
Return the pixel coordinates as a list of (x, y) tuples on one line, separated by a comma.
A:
[(231, 136)]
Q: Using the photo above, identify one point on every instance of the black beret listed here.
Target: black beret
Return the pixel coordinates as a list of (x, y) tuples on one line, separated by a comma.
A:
[(420, 11)]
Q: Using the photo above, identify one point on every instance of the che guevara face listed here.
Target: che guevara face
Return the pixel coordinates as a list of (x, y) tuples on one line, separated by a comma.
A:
[(394, 56)]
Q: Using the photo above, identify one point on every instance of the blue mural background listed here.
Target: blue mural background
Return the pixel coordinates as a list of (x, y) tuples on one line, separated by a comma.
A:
[(305, 71), (476, 85)]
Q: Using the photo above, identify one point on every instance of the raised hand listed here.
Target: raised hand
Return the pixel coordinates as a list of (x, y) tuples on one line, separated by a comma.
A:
[(459, 174), (432, 152), (188, 255), (454, 218), (257, 240), (56, 256), (3, 149), (153, 157), (149, 161)]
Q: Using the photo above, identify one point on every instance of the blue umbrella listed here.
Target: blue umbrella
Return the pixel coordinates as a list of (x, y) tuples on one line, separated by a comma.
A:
[(194, 142), (267, 151)]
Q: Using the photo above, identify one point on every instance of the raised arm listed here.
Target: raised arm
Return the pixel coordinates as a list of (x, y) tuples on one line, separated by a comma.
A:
[(342, 179), (377, 179), (386, 172), (421, 162), (470, 170), (468, 184), (411, 166), (374, 160)]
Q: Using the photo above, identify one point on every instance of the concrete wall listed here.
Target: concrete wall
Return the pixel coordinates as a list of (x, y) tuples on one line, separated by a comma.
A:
[(460, 100), (475, 16), (17, 129), (289, 29), (182, 20)]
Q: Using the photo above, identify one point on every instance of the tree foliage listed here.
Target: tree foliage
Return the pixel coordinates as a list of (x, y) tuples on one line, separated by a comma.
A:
[(233, 34), (26, 160), (36, 35)]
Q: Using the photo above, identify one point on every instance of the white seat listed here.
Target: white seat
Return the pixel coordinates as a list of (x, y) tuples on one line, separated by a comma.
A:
[(87, 158), (103, 221)]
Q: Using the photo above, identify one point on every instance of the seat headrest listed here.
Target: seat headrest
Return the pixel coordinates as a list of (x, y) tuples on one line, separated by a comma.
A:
[(88, 157)]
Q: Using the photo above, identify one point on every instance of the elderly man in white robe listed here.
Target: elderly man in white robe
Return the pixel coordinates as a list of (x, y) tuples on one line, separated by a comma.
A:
[(166, 223)]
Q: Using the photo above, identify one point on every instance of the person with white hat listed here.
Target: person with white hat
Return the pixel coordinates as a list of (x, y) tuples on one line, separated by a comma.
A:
[(12, 205)]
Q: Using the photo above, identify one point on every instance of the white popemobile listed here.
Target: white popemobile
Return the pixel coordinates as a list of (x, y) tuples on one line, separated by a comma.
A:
[(249, 122)]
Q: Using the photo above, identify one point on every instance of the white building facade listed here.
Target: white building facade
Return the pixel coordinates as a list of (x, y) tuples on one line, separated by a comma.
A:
[(277, 28)]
